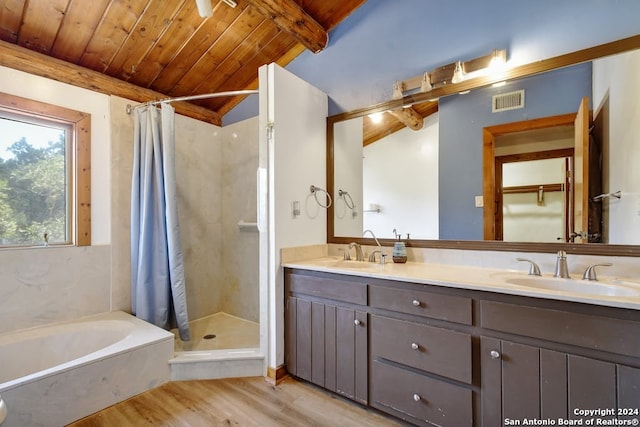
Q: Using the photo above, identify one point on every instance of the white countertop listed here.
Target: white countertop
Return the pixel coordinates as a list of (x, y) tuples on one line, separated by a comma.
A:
[(485, 279)]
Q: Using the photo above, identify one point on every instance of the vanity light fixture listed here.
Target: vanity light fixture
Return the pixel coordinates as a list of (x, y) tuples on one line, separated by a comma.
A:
[(458, 73), (455, 72)]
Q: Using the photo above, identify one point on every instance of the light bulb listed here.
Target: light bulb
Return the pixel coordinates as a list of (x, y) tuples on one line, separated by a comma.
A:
[(425, 86), (458, 74), (205, 10), (497, 61), (376, 117)]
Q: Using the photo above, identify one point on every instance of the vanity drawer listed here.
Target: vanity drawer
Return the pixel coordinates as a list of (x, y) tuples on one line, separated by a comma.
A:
[(437, 350), (583, 330), (422, 303), (398, 391), (323, 287)]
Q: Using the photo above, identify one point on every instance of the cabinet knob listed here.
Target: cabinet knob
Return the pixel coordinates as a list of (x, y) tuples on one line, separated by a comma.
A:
[(357, 322), (416, 397), (494, 354), (415, 346), (416, 303)]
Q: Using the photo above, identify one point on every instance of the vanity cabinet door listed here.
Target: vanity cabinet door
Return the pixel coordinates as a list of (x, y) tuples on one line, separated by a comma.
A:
[(520, 381), (305, 340), (628, 392), (327, 345), (351, 354)]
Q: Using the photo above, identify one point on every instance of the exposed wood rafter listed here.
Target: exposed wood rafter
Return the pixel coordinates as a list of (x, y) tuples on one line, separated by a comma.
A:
[(406, 115), (409, 117), (291, 18), (19, 58)]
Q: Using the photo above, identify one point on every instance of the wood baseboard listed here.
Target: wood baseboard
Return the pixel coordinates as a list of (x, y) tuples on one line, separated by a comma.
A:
[(276, 375)]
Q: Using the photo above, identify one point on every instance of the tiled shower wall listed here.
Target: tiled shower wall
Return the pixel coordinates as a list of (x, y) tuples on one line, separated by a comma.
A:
[(215, 172)]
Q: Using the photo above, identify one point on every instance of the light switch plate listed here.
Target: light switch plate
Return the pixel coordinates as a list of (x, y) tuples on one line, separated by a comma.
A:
[(295, 209), (479, 201)]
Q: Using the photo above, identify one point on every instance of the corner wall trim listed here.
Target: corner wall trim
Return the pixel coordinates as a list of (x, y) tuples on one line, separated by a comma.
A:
[(276, 375)]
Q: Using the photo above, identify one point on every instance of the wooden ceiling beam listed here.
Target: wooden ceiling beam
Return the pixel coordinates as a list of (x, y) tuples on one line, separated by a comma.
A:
[(19, 58), (408, 117), (291, 18)]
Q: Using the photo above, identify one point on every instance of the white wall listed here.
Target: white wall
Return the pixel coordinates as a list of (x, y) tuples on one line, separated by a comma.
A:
[(409, 160), (295, 158), (616, 78)]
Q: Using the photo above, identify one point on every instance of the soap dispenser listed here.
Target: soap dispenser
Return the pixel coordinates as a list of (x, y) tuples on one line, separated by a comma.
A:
[(399, 254)]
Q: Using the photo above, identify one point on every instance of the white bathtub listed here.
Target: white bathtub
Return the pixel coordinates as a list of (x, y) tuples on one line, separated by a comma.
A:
[(53, 375)]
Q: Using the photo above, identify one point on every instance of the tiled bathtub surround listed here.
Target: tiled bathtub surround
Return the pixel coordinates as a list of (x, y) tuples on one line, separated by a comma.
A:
[(106, 359), (46, 285)]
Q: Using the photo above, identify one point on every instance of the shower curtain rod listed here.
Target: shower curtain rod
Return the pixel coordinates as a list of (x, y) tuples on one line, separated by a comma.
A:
[(193, 97)]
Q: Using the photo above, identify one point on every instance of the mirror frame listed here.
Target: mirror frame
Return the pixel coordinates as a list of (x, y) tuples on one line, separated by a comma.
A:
[(589, 54)]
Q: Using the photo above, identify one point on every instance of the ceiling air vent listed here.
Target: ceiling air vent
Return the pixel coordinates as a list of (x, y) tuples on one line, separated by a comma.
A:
[(507, 101)]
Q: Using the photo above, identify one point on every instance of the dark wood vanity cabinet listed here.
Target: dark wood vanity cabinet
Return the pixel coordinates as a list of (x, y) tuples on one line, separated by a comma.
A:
[(455, 357), (559, 361), (522, 381), (420, 365), (326, 335)]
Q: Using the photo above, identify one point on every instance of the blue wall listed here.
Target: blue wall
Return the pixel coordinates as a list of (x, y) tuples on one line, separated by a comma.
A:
[(461, 119), (388, 40)]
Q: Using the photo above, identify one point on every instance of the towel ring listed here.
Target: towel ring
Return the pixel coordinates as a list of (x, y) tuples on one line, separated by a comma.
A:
[(348, 200), (315, 190)]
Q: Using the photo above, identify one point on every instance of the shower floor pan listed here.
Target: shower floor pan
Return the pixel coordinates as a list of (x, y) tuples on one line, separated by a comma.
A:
[(221, 346)]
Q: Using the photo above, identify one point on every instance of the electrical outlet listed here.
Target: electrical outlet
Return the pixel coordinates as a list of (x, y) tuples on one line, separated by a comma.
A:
[(479, 201)]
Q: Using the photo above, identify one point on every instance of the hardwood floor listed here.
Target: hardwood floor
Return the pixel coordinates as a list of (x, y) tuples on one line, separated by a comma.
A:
[(236, 402)]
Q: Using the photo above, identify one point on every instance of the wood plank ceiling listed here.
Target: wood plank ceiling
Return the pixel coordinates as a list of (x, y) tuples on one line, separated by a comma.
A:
[(152, 49)]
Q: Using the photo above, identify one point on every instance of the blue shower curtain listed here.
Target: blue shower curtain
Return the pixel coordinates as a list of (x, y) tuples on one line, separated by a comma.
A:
[(157, 269)]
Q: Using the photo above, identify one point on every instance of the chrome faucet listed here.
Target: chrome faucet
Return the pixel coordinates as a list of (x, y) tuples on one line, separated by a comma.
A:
[(534, 270), (562, 270), (358, 248), (590, 272), (372, 257)]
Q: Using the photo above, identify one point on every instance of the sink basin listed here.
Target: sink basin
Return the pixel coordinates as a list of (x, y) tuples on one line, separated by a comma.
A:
[(601, 288)]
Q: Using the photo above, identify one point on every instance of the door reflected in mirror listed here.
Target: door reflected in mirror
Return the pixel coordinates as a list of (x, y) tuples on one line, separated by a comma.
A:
[(533, 199)]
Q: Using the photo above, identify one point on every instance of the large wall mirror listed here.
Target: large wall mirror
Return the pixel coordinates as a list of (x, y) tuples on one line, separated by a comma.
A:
[(541, 158)]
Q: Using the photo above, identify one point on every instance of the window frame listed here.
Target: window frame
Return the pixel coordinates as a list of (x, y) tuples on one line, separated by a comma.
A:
[(80, 184)]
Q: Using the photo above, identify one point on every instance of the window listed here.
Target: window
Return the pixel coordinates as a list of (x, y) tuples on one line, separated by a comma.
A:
[(45, 181)]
